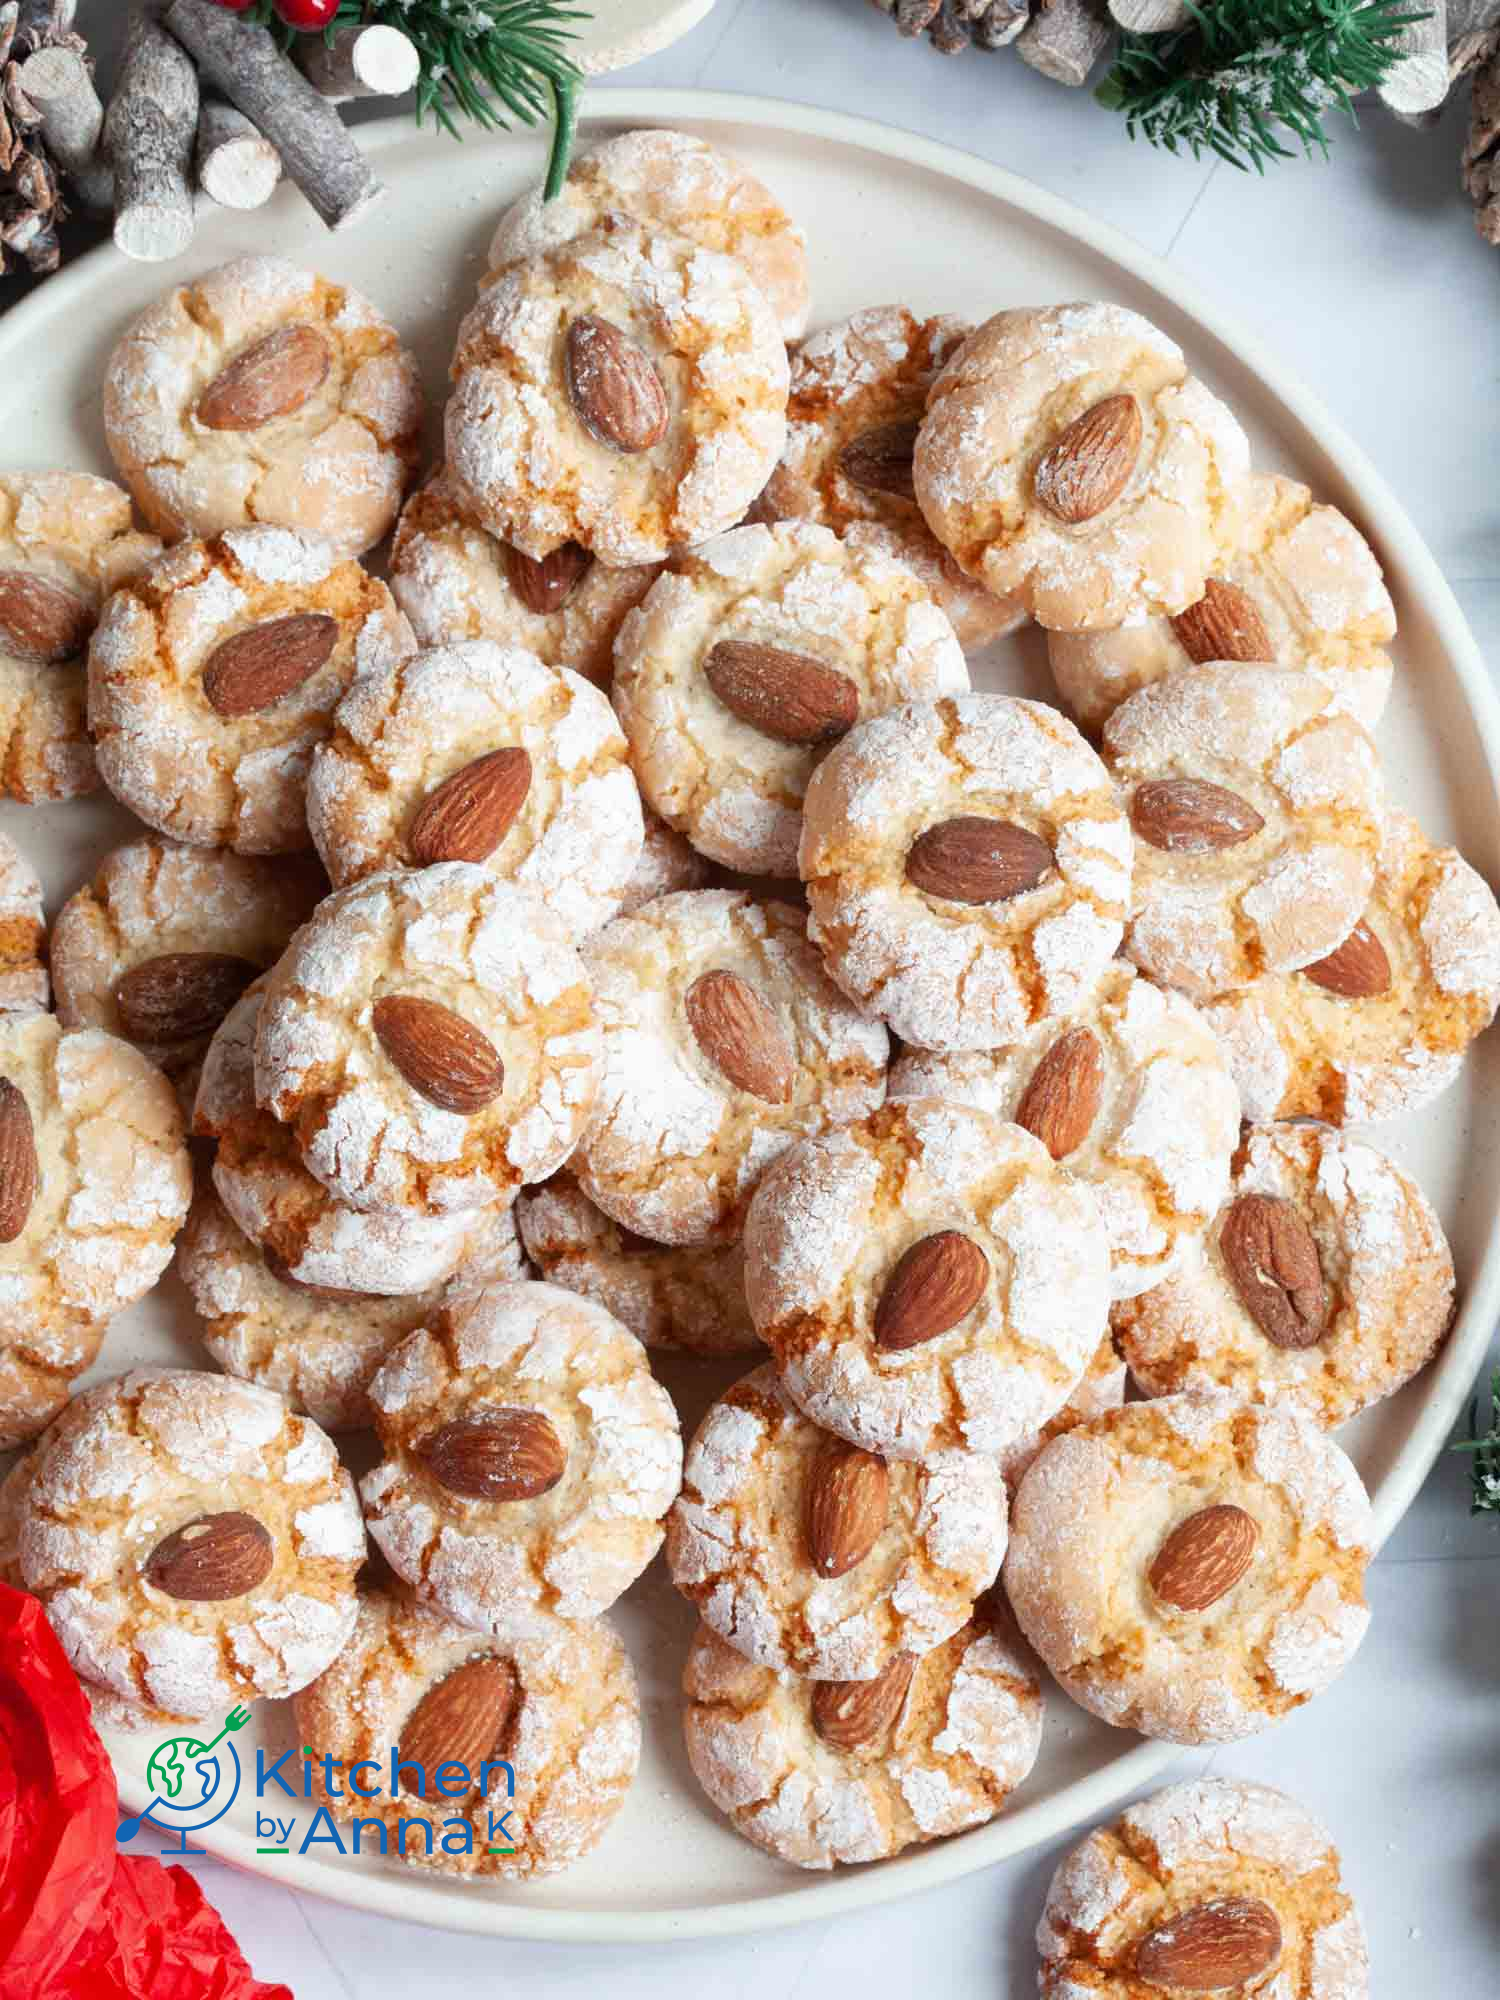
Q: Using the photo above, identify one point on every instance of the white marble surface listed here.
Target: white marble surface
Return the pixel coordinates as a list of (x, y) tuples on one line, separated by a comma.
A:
[(1369, 279)]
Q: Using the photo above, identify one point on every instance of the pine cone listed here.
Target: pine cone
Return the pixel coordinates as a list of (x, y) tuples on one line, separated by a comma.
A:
[(952, 25), (31, 203)]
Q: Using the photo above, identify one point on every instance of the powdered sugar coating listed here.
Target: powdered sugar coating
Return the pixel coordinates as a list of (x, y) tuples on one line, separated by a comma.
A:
[(144, 1454), (335, 466), (71, 532), (1202, 1841), (452, 579), (1298, 1050), (1209, 921), (669, 181), (1000, 405), (1316, 586), (945, 974), (1157, 1151), (403, 730), (24, 985), (164, 750), (463, 939), (966, 1735), (731, 788), (112, 1188), (1097, 1506), (676, 1148), (668, 862), (521, 460), (832, 1219), (1387, 1273), (737, 1543), (573, 1736), (509, 1566), (1101, 1388), (690, 1299)]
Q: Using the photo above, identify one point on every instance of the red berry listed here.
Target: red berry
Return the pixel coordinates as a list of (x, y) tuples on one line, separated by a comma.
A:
[(307, 14)]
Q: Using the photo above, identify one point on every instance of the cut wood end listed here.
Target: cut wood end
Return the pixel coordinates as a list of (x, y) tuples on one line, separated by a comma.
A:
[(375, 193), (151, 234)]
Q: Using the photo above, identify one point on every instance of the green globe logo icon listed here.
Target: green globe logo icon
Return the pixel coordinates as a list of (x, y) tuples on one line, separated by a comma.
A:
[(183, 1773), (187, 1776)]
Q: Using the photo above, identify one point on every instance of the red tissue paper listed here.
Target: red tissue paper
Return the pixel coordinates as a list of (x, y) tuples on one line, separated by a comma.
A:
[(78, 1920)]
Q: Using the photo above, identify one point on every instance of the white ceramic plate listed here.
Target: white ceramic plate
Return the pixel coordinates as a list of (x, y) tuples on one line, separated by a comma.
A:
[(620, 32), (888, 217)]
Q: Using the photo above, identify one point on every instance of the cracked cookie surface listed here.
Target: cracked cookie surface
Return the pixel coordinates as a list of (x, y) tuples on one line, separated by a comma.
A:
[(977, 968), (835, 1218), (1100, 1507), (733, 786), (333, 464), (134, 1460), (677, 1145), (24, 951), (568, 1549), (204, 765)]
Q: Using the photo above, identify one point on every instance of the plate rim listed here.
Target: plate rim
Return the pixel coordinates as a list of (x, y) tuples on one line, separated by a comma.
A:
[(449, 1904)]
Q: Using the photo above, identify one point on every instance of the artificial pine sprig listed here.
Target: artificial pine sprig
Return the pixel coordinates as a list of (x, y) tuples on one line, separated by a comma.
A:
[(1243, 72), (1485, 1447)]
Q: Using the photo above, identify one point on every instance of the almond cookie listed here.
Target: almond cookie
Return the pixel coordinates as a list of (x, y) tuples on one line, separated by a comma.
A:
[(674, 184), (1379, 1027), (927, 1279), (858, 392), (828, 1772), (163, 941), (558, 1707), (195, 1543), (1069, 461), (94, 1184), (530, 1458), (1132, 1093), (24, 986), (317, 1346), (1324, 1281), (430, 1037), (215, 674), (724, 1041), (262, 393), (625, 391), (1210, 1885), (1102, 1388), (967, 868), (1305, 590), (66, 541), (308, 1238), (690, 1300), (748, 658), (813, 1557), (477, 752), (1257, 812), (1194, 1567), (668, 862), (456, 581)]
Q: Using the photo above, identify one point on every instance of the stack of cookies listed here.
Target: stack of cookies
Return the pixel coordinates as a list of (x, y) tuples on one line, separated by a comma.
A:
[(627, 928)]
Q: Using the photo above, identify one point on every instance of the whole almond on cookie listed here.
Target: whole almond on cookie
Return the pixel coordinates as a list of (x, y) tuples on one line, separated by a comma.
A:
[(265, 663), (1191, 816), (212, 1559), (41, 621), (545, 583), (1358, 969), (1089, 465), (937, 1283), (1204, 1557), (462, 1719), (738, 1032), (1060, 1103), (444, 1058), (789, 696), (879, 460), (973, 860), (1223, 625), (271, 379), (848, 1497), (1272, 1260), (502, 1454), (613, 386), (180, 994), (849, 1714), (18, 1161), (466, 817), (1214, 1947)]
